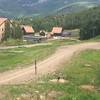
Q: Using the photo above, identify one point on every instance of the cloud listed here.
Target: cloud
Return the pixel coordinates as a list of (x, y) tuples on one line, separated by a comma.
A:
[(42, 1)]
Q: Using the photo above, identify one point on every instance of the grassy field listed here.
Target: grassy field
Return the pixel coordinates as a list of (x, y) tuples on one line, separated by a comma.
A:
[(83, 69), (17, 42), (19, 57), (14, 42)]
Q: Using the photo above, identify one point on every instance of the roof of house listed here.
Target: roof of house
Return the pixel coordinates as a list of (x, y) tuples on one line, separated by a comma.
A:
[(28, 29), (2, 20), (57, 30)]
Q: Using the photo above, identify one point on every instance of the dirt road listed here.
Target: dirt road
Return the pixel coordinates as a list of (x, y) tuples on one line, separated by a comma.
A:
[(24, 46), (51, 64)]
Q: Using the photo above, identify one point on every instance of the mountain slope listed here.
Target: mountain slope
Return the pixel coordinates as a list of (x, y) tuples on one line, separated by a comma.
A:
[(77, 6), (19, 8)]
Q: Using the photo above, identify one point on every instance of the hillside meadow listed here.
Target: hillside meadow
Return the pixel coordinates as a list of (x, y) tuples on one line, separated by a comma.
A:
[(81, 72), (21, 57)]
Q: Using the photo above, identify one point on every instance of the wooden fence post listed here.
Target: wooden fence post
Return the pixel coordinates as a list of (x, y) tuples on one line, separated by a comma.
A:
[(35, 67)]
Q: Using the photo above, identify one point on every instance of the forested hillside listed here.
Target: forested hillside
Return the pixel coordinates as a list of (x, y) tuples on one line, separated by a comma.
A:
[(20, 8), (88, 21)]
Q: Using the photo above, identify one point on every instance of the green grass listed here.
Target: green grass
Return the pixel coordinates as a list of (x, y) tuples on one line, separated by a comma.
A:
[(14, 42), (19, 57), (17, 42), (95, 39), (61, 42), (75, 71)]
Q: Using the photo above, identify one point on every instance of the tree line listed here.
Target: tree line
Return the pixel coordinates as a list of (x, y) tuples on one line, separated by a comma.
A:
[(12, 30)]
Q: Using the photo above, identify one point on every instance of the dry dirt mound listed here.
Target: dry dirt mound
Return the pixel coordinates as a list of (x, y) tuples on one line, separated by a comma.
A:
[(88, 87)]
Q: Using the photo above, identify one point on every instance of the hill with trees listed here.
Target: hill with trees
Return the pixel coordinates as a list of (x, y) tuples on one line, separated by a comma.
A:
[(88, 21)]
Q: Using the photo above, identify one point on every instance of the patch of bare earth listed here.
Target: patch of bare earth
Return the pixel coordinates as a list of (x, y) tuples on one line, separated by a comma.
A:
[(87, 65), (59, 81), (50, 95), (24, 97), (54, 94), (90, 88), (2, 95)]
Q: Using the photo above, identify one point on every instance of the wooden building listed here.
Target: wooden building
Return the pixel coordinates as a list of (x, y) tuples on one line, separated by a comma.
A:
[(57, 31), (4, 23), (27, 30)]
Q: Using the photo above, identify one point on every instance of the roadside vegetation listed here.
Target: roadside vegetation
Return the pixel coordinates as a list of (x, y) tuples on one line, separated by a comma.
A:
[(97, 38), (21, 57), (82, 74)]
